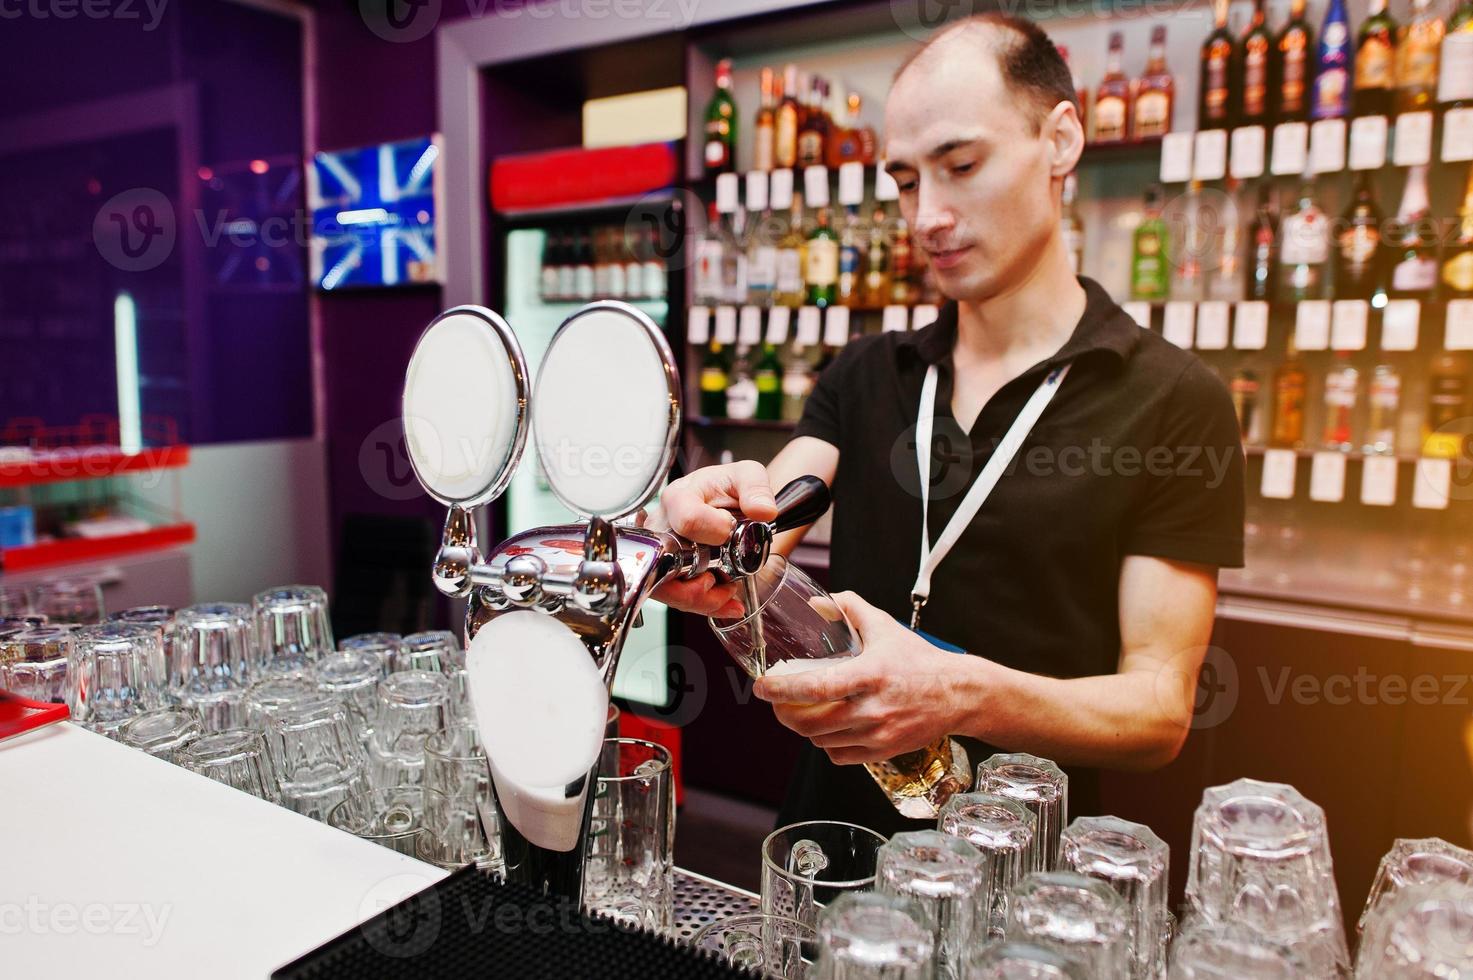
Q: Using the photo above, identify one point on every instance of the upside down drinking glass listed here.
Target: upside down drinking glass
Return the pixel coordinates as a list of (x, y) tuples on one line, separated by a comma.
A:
[(781, 622)]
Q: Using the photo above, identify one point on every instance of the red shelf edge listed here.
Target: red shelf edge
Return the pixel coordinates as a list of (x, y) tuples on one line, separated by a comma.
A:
[(69, 550), (85, 464)]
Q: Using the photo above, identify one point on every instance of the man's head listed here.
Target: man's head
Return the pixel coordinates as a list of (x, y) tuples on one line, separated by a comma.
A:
[(981, 127)]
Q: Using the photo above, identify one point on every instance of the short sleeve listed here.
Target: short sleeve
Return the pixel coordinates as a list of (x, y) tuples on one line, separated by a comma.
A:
[(822, 413), (1190, 507)]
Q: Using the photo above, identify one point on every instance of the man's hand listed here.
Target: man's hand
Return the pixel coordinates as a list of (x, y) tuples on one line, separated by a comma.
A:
[(700, 506), (897, 696)]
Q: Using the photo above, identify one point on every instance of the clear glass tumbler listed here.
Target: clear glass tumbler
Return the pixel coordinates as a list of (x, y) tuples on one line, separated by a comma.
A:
[(412, 706), (33, 662), (292, 628), (162, 733), (236, 758), (385, 646), (73, 600), (768, 945), (943, 876), (116, 671), (392, 818), (628, 872), (807, 865), (1228, 951), (1132, 860), (1424, 861), (1003, 832), (1422, 932), (1037, 784), (352, 677), (870, 936), (1024, 961), (1082, 914), (316, 754), (456, 768), (210, 669)]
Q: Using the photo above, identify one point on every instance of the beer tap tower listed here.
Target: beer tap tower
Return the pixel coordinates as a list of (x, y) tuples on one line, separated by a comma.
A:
[(604, 419)]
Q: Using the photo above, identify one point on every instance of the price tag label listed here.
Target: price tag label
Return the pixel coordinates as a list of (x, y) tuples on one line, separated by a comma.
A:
[(836, 326), (1209, 155), (923, 315), (1433, 483), (749, 326), (1178, 323), (1212, 325), (1291, 148), (1176, 158), (1248, 150), (1459, 335), (726, 324), (1312, 324), (1327, 146), (1139, 311), (1278, 474), (780, 190), (726, 193), (810, 321), (1399, 324), (777, 325), (698, 325), (1348, 324), (1327, 477), (1378, 481), (1413, 144), (1457, 135), (894, 319), (1250, 325), (851, 183), (885, 187), (1368, 143), (816, 186), (757, 192)]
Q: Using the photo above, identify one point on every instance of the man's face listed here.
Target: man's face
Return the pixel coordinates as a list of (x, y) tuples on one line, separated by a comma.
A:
[(974, 176)]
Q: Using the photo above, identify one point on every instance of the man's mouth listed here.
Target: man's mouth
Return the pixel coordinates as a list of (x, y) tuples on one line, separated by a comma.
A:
[(945, 258)]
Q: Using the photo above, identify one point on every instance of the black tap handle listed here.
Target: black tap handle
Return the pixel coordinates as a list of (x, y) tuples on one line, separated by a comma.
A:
[(800, 503)]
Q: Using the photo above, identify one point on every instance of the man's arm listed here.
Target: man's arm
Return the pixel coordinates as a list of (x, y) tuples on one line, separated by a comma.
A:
[(903, 693)]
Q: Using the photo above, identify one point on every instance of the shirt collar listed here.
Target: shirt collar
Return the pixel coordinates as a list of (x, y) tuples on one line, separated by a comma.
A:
[(1104, 327)]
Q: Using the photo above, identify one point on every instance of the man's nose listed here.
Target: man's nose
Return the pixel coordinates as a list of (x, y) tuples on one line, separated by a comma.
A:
[(932, 214)]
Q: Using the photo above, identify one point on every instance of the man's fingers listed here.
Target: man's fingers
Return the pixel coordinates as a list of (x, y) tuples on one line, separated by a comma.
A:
[(701, 595), (814, 720), (811, 686), (690, 514), (750, 487)]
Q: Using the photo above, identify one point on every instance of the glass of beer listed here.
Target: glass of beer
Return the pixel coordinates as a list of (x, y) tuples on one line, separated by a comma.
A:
[(782, 622)]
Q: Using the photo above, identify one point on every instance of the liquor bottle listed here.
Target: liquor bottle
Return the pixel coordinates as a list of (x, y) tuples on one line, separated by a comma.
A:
[(1304, 248), (710, 257), (785, 129), (634, 284), (1332, 66), (813, 133), (1416, 58), (764, 127), (1290, 383), (1218, 71), (877, 262), (789, 289), (851, 252), (721, 124), (1358, 244), (1189, 249), (741, 387), (1071, 228), (652, 266), (1383, 399), (614, 243), (1455, 63), (1413, 241), (734, 258), (798, 379), (1225, 275), (567, 285), (714, 378), (902, 264), (1447, 405), (1244, 390), (1149, 276), (761, 248), (547, 280), (1257, 44), (821, 268), (583, 269), (1375, 63), (602, 263), (1112, 104), (1081, 93), (768, 376), (1155, 92), (1293, 71), (1263, 246), (1342, 391), (1457, 260), (854, 142)]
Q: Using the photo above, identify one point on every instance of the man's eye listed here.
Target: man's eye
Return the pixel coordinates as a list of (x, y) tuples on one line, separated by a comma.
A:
[(906, 186), (963, 168)]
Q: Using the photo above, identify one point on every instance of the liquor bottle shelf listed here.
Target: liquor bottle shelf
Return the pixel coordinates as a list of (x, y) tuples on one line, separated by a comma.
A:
[(708, 422)]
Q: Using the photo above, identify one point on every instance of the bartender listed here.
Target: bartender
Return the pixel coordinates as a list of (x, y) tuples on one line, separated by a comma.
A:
[(1079, 573)]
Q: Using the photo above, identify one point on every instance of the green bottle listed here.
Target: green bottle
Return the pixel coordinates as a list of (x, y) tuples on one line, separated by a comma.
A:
[(822, 261), (715, 376), (769, 378), (1150, 273), (721, 124)]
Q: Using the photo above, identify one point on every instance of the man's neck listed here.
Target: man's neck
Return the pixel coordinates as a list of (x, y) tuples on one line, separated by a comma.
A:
[(1025, 324)]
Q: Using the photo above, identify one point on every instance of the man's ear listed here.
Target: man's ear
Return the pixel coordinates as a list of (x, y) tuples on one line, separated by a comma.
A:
[(1065, 134)]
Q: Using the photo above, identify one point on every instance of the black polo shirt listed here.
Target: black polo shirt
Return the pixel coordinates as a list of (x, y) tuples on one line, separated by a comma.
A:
[(1137, 454)]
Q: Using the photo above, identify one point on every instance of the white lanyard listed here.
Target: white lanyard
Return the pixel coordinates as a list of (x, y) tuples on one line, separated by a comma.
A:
[(986, 480)]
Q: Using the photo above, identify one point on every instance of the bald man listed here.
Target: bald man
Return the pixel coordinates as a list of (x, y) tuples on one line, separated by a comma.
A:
[(1079, 575)]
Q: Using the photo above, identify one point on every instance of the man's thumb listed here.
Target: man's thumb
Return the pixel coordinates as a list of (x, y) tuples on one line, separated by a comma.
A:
[(862, 616)]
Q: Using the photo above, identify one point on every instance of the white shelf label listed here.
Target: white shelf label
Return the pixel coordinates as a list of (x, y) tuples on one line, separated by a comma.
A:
[(1459, 334), (1368, 143), (1248, 150), (1250, 325), (1209, 155), (893, 320), (1139, 311), (1312, 324), (1399, 324), (1457, 135), (1413, 143), (923, 315), (1178, 322), (851, 183), (1378, 481), (816, 186), (810, 323), (726, 193), (885, 187), (1433, 483), (726, 317), (777, 325), (1212, 325), (757, 192), (1176, 158), (1327, 146), (1348, 324), (1327, 477), (1278, 474), (780, 190), (836, 326), (698, 325), (1291, 148), (749, 326)]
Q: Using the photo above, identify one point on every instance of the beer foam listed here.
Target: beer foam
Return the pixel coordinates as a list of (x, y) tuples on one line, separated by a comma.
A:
[(800, 666)]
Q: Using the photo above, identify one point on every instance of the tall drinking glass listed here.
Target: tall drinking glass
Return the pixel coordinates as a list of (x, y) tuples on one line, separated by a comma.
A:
[(943, 876), (1003, 832), (870, 936), (808, 865), (1132, 860), (1040, 786), (1081, 914), (629, 870)]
